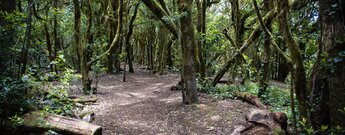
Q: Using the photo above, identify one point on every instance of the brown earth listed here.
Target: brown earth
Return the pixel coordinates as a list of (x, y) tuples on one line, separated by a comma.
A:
[(145, 105)]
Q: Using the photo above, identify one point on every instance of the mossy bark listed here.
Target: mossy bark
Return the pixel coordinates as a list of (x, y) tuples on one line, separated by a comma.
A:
[(328, 82), (253, 37), (189, 90), (297, 60)]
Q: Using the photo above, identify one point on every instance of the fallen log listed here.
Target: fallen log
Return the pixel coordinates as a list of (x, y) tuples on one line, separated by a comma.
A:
[(247, 97), (65, 125)]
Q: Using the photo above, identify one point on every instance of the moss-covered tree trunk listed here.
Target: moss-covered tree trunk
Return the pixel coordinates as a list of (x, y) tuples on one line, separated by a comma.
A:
[(189, 90), (7, 38), (201, 29), (77, 21), (56, 36), (112, 31), (329, 82), (149, 47), (162, 49), (266, 58), (27, 44), (296, 56), (83, 51), (128, 37), (253, 37), (169, 59), (48, 42)]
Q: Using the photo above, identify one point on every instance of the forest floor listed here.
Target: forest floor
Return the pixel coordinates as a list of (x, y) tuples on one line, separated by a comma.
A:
[(145, 105)]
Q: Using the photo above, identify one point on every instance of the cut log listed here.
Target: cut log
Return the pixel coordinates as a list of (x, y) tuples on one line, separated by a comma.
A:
[(247, 97), (275, 123), (65, 125), (263, 122)]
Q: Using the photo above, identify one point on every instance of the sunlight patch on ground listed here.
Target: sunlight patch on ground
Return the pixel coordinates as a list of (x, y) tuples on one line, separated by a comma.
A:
[(123, 95), (170, 100), (136, 124), (109, 87), (157, 84), (127, 103), (140, 95)]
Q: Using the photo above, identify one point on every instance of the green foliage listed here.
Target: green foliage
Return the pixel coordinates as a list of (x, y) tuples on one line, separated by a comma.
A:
[(98, 68), (16, 120), (14, 96), (31, 92), (277, 97), (307, 129), (204, 85), (226, 91)]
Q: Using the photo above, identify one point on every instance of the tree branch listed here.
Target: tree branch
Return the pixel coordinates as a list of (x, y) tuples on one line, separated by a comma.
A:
[(115, 40), (273, 43), (160, 13)]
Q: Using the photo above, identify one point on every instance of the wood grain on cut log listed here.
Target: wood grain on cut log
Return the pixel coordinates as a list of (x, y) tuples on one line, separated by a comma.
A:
[(247, 97), (38, 120)]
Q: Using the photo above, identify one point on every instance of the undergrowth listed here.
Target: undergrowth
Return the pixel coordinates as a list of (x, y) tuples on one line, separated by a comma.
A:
[(47, 92), (278, 99)]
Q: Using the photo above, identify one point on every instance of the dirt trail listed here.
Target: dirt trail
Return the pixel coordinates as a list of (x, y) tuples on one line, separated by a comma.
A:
[(145, 105)]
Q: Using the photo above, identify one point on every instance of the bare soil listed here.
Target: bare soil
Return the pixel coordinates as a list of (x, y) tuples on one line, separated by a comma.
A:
[(145, 105)]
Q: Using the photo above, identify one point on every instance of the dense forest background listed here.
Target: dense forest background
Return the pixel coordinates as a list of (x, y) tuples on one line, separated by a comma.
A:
[(289, 53)]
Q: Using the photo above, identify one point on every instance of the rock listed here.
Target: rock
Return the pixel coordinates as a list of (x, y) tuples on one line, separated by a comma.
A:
[(215, 118), (210, 128)]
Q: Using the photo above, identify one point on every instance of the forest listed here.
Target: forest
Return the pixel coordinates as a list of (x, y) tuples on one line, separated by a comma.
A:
[(235, 67)]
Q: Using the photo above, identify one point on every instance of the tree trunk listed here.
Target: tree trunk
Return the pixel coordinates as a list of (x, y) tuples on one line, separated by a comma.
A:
[(266, 58), (7, 38), (162, 38), (201, 28), (129, 34), (149, 47), (27, 44), (330, 78), (77, 16), (77, 21), (49, 45), (296, 55), (112, 31), (189, 90), (83, 50), (56, 38), (169, 54)]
